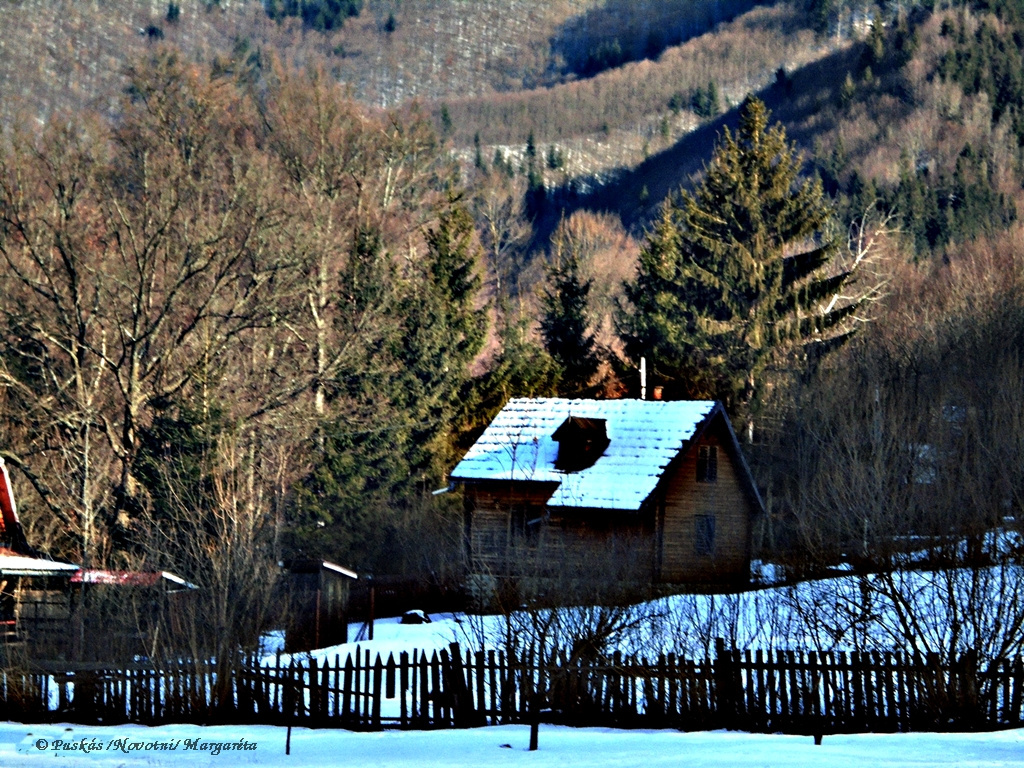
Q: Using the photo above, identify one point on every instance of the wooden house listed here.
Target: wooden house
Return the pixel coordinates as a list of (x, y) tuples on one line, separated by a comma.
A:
[(629, 492)]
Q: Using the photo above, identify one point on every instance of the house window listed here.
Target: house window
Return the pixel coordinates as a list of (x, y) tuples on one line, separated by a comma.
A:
[(707, 463), (526, 524), (704, 535), (489, 544)]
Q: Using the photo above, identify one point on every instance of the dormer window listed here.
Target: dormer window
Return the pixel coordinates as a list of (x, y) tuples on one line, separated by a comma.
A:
[(581, 442)]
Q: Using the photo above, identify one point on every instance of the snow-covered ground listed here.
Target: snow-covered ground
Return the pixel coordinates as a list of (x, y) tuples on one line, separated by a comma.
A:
[(29, 746), (802, 615), (942, 611)]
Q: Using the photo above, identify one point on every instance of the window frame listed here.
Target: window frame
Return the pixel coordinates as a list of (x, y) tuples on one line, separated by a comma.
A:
[(704, 535), (707, 463)]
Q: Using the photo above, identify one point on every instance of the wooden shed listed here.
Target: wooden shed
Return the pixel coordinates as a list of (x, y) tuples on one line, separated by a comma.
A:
[(130, 614), (35, 593), (35, 599), (317, 601), (623, 491)]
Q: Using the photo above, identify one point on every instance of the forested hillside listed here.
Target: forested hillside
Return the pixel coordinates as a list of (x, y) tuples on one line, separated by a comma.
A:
[(268, 268), (65, 55)]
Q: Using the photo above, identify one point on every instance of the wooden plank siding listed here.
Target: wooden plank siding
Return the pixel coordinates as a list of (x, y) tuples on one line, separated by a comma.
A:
[(489, 521), (573, 544), (681, 499)]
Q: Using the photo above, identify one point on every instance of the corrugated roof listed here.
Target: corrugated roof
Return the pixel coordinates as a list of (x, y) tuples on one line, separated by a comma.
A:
[(128, 578), (12, 564), (644, 435)]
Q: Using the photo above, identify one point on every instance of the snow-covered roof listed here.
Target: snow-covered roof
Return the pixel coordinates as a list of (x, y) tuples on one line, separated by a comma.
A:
[(644, 436), (19, 565), (340, 569)]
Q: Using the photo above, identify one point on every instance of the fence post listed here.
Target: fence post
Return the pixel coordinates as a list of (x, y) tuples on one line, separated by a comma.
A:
[(534, 721), (967, 690), (725, 685), (378, 678)]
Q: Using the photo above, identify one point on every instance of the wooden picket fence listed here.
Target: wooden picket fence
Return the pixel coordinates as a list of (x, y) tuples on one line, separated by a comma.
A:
[(780, 691)]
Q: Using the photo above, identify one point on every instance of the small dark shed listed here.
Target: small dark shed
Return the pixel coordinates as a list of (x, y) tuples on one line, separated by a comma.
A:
[(317, 598), (35, 602), (125, 614)]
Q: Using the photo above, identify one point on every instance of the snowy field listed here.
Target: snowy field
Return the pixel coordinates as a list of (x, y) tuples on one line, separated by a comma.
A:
[(31, 746), (801, 615)]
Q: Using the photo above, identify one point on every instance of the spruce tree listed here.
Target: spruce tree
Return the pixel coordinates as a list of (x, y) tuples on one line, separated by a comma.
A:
[(444, 330), (521, 369), (535, 191), (478, 158), (398, 403), (363, 466), (565, 325), (737, 270)]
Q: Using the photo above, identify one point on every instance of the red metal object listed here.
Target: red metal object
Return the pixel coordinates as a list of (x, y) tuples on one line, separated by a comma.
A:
[(9, 519)]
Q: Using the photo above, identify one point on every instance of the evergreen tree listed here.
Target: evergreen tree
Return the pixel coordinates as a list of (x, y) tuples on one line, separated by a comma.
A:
[(321, 15), (397, 405), (556, 158), (478, 157), (704, 102), (521, 369), (820, 13), (535, 192), (874, 50), (362, 465), (443, 333), (447, 126), (733, 272), (565, 325)]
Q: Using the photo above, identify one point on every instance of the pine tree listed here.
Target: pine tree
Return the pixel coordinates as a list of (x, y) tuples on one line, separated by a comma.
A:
[(735, 271)]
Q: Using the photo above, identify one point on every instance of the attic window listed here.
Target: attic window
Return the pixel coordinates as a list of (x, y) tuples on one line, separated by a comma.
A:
[(707, 463), (581, 442)]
